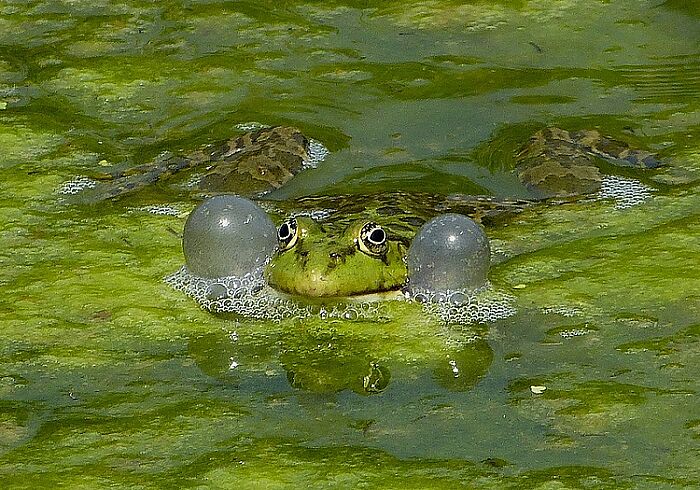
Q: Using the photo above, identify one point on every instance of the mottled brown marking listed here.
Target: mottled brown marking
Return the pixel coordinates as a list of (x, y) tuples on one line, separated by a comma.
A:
[(250, 164), (556, 162), (263, 160)]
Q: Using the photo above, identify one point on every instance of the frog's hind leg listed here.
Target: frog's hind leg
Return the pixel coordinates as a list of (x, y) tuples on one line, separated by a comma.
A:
[(127, 181), (556, 162), (552, 163)]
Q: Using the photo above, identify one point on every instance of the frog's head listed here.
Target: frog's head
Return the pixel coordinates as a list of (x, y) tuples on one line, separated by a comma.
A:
[(314, 261)]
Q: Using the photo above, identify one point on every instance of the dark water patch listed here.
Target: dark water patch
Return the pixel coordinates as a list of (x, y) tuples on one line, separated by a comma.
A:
[(664, 346), (412, 176), (543, 99), (665, 81), (683, 6)]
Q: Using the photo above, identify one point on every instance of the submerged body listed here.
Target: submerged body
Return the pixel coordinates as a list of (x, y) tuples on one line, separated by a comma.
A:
[(340, 246)]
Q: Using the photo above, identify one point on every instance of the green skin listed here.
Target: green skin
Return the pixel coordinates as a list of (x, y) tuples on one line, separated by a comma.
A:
[(326, 264)]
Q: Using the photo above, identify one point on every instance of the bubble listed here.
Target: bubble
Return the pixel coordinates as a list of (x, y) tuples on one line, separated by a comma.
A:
[(226, 236), (421, 297), (376, 380), (458, 298), (77, 185), (450, 252), (440, 297), (624, 191), (216, 292), (466, 306), (350, 314)]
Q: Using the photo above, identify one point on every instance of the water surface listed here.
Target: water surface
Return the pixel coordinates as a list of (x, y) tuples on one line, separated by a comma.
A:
[(109, 377)]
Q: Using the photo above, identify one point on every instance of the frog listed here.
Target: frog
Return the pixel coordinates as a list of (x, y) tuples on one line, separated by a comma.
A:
[(358, 245), (361, 245)]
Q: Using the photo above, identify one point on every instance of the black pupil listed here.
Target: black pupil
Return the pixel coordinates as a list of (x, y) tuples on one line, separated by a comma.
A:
[(377, 236), (283, 233)]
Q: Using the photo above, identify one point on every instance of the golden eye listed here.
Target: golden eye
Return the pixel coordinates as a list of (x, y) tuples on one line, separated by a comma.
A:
[(287, 234), (372, 239)]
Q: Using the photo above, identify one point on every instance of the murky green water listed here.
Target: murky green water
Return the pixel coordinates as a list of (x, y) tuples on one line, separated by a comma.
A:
[(109, 377)]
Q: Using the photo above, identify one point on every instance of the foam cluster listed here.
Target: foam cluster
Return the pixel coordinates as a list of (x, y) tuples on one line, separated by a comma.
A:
[(159, 210), (250, 126), (574, 332), (76, 185), (315, 155), (563, 310), (249, 296), (624, 191), (465, 306)]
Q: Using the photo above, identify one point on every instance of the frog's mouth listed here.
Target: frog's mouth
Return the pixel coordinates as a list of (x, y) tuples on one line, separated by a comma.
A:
[(323, 290), (314, 283)]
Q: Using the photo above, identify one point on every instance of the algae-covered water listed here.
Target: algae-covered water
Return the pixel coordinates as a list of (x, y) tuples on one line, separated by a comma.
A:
[(108, 377)]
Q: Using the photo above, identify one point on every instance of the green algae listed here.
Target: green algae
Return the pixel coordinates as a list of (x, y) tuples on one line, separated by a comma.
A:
[(110, 378)]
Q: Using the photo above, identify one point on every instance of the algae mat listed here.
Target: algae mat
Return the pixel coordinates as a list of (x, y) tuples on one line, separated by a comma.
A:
[(110, 378)]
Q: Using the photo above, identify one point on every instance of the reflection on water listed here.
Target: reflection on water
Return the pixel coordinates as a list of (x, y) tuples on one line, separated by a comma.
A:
[(328, 360)]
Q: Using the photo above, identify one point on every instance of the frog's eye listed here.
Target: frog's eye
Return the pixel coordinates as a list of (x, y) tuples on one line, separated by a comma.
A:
[(287, 234), (372, 239)]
